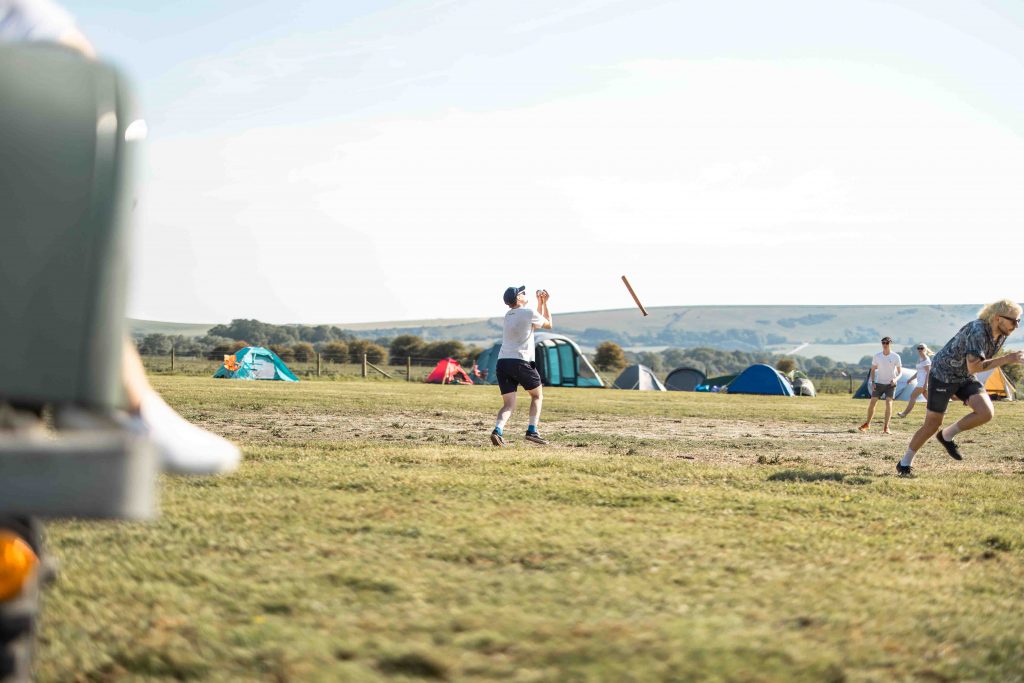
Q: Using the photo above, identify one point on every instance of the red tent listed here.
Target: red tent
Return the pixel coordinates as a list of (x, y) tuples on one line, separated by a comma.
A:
[(448, 371)]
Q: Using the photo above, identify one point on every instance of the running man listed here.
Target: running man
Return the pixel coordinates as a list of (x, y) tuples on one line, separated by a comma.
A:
[(886, 368), (516, 360), (972, 350)]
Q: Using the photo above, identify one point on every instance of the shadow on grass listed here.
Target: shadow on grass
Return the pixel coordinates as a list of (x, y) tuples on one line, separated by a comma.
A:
[(808, 476)]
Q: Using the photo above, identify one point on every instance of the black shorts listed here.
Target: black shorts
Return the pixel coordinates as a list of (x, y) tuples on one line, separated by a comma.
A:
[(884, 390), (940, 393), (512, 372)]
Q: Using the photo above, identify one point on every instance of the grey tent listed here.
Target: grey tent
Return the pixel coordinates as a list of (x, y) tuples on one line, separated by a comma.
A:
[(802, 386), (685, 379), (639, 377)]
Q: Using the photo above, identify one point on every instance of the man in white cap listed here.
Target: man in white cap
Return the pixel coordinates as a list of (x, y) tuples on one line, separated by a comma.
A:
[(516, 363)]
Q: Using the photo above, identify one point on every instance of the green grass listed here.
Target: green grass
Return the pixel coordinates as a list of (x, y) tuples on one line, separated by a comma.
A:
[(373, 534)]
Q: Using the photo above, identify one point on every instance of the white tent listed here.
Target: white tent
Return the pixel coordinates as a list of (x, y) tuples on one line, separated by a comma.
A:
[(639, 377)]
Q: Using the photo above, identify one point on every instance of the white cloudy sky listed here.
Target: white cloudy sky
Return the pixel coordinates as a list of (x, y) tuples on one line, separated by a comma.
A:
[(359, 161)]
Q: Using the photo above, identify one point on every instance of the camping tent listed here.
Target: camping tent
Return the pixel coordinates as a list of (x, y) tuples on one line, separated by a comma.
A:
[(803, 386), (560, 363), (761, 379), (684, 379), (905, 386), (639, 377), (255, 362), (998, 385), (716, 383), (448, 371)]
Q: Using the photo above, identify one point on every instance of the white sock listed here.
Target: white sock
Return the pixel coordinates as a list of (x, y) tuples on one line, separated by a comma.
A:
[(185, 448), (952, 430), (908, 458)]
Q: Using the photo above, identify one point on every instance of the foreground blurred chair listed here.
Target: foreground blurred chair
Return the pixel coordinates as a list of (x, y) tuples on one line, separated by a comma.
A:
[(65, 199)]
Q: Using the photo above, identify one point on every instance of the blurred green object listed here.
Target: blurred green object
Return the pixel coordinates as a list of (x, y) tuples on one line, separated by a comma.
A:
[(64, 203)]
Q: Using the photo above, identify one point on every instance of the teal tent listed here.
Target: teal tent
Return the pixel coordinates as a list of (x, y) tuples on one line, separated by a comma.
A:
[(256, 362), (761, 379), (560, 363)]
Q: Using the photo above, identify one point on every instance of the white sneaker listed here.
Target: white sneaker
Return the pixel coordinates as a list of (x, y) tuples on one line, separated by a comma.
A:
[(183, 447)]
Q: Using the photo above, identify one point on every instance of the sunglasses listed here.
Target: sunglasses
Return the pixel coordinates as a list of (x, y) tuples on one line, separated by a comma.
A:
[(885, 343), (1015, 321), (920, 348)]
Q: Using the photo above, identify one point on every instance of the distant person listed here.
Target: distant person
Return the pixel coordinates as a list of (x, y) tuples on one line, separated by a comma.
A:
[(183, 447), (886, 368), (954, 373), (516, 364), (924, 365)]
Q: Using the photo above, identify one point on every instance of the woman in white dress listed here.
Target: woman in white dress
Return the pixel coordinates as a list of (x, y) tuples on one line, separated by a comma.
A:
[(924, 364)]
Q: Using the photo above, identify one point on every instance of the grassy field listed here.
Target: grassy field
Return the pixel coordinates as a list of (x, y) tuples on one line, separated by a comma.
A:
[(372, 533)]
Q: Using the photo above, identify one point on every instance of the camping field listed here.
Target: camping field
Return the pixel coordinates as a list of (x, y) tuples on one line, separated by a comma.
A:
[(373, 533)]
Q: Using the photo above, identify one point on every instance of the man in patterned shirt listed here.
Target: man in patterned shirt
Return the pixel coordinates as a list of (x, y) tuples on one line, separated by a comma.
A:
[(972, 350)]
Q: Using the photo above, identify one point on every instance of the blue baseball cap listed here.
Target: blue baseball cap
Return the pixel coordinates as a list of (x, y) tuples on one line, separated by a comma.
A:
[(511, 293)]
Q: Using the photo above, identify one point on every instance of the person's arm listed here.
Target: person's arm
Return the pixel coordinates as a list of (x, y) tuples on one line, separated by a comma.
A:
[(927, 376), (976, 364), (898, 372), (542, 311), (871, 376)]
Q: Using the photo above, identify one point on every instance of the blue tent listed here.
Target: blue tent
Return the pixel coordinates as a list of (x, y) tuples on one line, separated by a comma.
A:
[(761, 379), (256, 362)]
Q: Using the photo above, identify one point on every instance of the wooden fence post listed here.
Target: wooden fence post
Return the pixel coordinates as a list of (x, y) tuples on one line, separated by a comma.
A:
[(408, 368), (364, 366), (172, 359), (318, 365)]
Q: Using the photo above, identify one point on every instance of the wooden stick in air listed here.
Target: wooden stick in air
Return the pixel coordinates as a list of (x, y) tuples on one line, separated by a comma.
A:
[(633, 294)]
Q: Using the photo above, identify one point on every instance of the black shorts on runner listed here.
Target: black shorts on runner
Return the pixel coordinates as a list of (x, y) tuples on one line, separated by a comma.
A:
[(940, 393), (512, 372), (884, 390)]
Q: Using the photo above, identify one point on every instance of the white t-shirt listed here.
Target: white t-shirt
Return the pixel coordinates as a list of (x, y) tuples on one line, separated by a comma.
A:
[(517, 339), (922, 371), (889, 367), (22, 20)]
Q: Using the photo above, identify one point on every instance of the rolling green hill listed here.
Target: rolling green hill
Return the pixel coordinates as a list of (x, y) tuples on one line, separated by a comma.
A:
[(841, 332)]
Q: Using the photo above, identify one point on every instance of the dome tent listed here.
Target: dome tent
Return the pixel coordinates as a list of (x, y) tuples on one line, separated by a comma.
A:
[(685, 379), (448, 371), (905, 386), (560, 363), (761, 379), (255, 362), (638, 377)]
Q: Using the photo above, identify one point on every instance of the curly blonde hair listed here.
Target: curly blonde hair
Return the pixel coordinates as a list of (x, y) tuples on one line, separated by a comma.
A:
[(1002, 307)]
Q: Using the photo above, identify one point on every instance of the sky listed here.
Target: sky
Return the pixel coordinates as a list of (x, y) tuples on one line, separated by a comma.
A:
[(343, 162)]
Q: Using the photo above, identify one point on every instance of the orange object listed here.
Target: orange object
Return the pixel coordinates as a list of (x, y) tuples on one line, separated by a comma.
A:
[(230, 362), (633, 294), (17, 562)]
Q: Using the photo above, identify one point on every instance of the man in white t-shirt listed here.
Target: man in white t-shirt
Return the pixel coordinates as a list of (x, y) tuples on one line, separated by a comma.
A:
[(516, 360), (886, 368)]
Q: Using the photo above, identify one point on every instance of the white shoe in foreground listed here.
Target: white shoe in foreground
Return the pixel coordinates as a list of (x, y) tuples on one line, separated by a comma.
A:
[(183, 447)]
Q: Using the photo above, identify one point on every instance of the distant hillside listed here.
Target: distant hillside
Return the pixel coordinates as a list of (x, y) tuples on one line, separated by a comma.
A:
[(747, 328), (844, 333), (144, 327)]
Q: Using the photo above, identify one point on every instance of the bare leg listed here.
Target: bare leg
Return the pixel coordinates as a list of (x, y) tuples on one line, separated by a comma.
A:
[(888, 414), (918, 391), (184, 448), (536, 398), (136, 385), (508, 405), (932, 424), (871, 410), (983, 409)]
